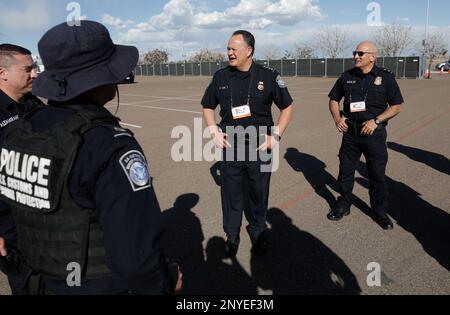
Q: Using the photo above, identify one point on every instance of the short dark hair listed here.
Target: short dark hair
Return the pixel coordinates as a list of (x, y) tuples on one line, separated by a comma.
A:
[(249, 39), (8, 51)]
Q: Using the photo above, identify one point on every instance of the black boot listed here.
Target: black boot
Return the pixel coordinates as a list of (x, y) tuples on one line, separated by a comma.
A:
[(259, 244), (231, 246)]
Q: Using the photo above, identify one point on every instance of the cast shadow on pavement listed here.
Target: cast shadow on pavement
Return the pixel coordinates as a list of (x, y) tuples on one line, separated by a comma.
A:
[(430, 225), (297, 262), (314, 171)]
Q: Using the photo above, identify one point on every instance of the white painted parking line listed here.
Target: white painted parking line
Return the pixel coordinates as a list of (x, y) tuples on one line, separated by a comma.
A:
[(314, 93), (164, 97), (162, 108), (158, 100), (164, 100), (130, 125)]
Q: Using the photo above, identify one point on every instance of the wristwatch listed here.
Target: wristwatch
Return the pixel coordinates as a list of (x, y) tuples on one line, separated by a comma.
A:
[(377, 121), (277, 137)]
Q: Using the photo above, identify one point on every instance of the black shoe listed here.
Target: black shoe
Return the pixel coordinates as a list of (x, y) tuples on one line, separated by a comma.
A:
[(384, 221), (231, 246), (337, 214), (259, 244)]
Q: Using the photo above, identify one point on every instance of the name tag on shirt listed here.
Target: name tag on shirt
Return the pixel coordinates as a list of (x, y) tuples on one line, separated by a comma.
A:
[(357, 107), (241, 112)]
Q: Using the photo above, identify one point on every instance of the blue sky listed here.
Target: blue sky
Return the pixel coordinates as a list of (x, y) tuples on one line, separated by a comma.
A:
[(184, 26)]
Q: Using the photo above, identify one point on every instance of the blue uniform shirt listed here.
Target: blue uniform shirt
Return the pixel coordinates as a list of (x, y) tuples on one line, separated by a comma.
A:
[(378, 89), (258, 88)]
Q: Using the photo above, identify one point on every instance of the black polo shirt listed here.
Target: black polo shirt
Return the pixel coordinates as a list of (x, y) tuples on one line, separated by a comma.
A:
[(378, 89), (258, 88), (10, 110)]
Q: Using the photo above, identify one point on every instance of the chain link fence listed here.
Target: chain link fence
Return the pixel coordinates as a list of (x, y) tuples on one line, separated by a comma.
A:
[(403, 67)]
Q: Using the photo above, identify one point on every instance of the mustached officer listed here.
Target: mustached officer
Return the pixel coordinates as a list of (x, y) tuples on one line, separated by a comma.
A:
[(372, 98), (79, 186)]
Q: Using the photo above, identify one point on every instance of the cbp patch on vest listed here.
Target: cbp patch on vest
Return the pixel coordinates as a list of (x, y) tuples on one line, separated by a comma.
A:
[(281, 82), (135, 167)]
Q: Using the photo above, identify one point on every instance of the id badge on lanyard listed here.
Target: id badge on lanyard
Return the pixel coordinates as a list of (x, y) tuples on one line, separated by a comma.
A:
[(242, 111), (358, 107)]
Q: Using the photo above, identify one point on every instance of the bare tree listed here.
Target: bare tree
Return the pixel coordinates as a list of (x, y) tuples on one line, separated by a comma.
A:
[(288, 55), (270, 52), (333, 41), (141, 60), (435, 47), (159, 55), (393, 39), (304, 50), (206, 55)]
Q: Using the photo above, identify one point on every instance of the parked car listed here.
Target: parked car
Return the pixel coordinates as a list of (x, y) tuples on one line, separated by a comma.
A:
[(444, 65), (129, 78)]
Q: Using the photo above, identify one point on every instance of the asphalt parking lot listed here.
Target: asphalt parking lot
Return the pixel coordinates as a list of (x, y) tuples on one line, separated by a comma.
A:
[(307, 253)]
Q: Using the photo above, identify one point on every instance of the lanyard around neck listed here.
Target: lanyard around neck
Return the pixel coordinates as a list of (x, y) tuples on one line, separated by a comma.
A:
[(248, 93), (372, 81)]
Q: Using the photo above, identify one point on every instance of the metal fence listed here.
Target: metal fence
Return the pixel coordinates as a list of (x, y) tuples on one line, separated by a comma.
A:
[(403, 67)]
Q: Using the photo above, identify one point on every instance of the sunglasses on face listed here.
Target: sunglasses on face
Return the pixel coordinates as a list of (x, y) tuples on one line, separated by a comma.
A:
[(361, 53)]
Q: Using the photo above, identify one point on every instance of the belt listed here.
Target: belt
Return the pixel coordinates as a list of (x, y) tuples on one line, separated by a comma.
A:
[(249, 140), (355, 126)]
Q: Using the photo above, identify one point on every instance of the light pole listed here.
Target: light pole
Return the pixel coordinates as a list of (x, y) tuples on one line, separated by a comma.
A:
[(425, 41), (428, 19)]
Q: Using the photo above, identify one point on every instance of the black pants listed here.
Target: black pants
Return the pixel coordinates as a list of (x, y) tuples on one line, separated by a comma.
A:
[(375, 151), (244, 187)]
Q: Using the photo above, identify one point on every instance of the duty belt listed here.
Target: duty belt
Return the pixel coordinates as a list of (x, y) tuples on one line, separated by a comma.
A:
[(355, 127)]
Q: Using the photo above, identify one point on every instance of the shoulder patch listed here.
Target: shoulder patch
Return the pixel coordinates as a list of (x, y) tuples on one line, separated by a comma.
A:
[(118, 131), (281, 83), (136, 170), (387, 70), (268, 68)]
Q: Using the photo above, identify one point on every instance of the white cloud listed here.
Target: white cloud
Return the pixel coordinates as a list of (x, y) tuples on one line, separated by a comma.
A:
[(181, 15), (184, 26), (28, 15), (402, 20), (259, 24), (176, 14), (115, 21)]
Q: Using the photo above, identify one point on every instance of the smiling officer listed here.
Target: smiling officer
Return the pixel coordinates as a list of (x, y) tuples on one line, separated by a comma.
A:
[(372, 98), (245, 91)]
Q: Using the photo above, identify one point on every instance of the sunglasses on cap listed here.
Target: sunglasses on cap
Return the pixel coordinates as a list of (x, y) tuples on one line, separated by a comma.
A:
[(361, 53)]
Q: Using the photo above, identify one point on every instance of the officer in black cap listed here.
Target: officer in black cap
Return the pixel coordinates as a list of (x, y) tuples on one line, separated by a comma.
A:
[(17, 73), (245, 91), (372, 98), (79, 186)]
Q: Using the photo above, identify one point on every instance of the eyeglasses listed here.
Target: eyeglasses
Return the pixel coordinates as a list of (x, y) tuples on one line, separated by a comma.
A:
[(361, 53)]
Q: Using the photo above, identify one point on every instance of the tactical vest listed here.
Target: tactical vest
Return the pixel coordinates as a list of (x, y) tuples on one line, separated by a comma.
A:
[(53, 231)]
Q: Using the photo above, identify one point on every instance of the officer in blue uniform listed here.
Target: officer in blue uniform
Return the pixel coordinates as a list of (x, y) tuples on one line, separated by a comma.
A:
[(17, 73), (245, 91), (372, 98), (79, 186)]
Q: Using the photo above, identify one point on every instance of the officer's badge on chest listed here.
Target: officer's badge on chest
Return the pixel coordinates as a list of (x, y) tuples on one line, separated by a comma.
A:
[(261, 86), (378, 81)]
